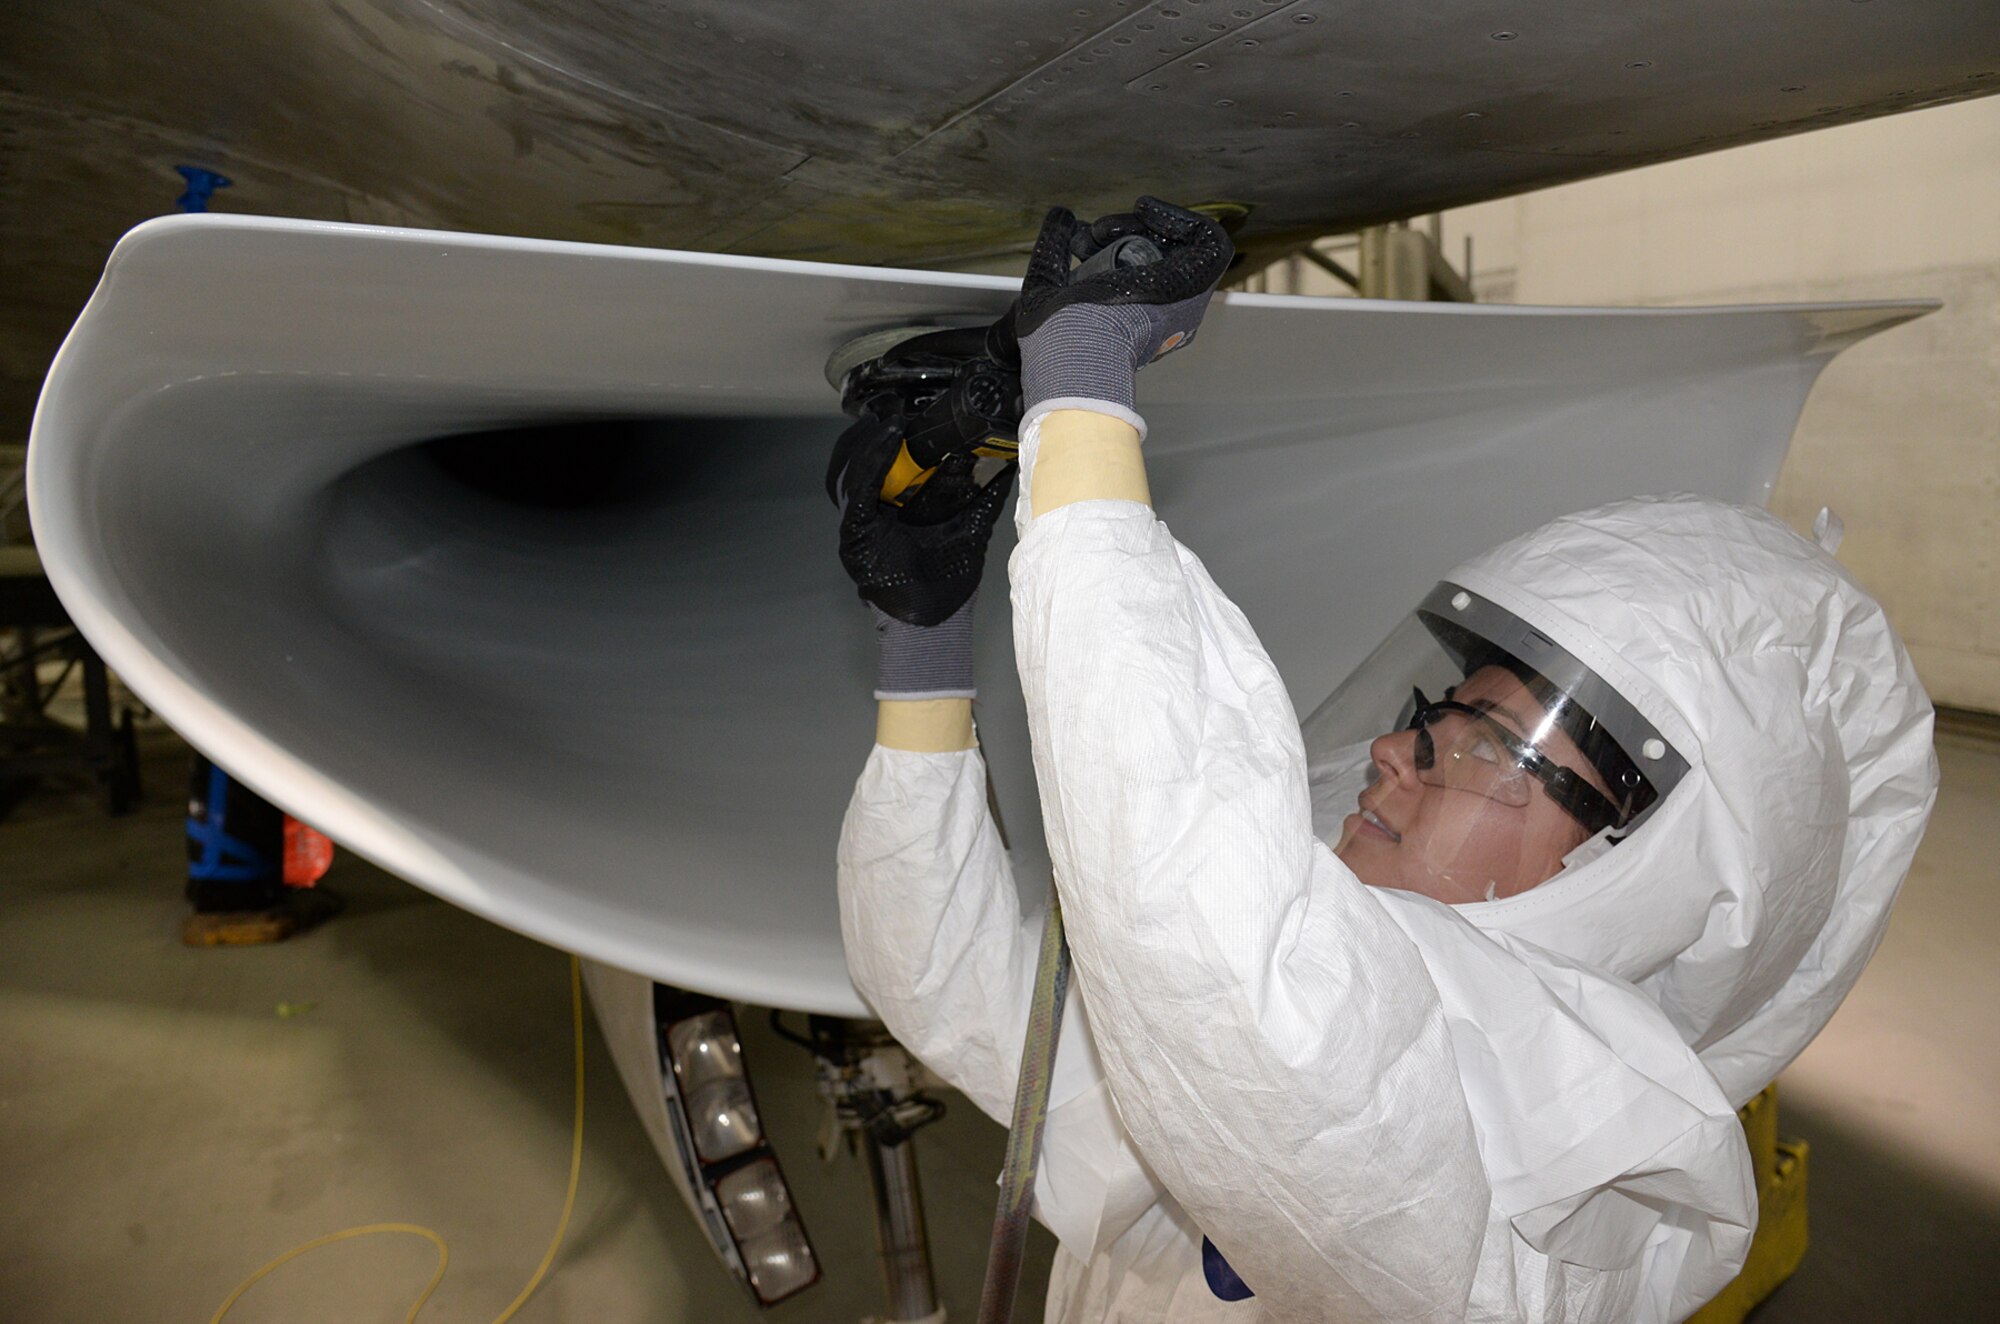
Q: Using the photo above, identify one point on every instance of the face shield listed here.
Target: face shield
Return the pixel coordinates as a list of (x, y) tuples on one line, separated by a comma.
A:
[(1471, 757)]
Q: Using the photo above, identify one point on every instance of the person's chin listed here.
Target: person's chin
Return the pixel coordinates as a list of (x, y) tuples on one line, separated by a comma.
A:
[(1364, 855)]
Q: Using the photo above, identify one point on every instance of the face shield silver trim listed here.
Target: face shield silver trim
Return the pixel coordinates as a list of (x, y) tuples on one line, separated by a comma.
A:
[(1457, 607)]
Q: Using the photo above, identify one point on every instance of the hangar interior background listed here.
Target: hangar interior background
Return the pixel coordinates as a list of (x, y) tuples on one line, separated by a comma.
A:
[(168, 1118)]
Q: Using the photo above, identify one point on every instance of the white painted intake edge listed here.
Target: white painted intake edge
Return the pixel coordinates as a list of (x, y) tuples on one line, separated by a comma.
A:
[(631, 731)]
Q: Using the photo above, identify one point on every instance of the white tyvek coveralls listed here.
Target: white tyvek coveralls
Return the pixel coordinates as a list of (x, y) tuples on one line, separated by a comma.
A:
[(1378, 1106)]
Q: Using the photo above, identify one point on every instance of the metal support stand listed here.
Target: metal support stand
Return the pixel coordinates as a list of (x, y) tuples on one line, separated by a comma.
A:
[(1398, 262), (1394, 261), (31, 743)]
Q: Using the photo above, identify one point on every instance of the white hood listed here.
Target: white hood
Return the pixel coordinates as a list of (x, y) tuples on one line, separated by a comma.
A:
[(1750, 900)]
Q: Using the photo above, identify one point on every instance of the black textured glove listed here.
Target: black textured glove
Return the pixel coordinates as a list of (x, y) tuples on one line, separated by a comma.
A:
[(922, 561), (1083, 341)]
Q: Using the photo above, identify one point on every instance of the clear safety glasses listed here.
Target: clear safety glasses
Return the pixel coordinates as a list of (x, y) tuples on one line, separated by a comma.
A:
[(1468, 749)]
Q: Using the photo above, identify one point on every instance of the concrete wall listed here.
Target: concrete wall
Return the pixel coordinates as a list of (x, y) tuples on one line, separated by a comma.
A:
[(1902, 434)]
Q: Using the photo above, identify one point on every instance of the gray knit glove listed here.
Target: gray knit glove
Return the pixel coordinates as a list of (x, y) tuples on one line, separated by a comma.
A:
[(1083, 342), (924, 661)]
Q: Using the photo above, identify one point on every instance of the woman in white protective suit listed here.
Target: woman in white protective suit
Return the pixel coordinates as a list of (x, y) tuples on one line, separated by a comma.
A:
[(1441, 1008)]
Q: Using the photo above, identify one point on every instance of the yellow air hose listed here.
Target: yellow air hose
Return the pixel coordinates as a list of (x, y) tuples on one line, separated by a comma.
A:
[(444, 1253)]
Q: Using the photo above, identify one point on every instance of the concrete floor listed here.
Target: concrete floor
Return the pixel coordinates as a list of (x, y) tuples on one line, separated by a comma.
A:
[(164, 1130)]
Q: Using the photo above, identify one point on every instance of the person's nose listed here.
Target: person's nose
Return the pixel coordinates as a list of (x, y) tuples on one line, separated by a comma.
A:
[(1395, 754)]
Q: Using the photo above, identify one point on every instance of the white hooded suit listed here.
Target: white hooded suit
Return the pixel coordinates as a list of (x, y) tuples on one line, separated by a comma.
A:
[(1377, 1106)]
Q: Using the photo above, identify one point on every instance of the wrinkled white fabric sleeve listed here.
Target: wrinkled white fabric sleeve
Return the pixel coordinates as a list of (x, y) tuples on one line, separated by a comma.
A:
[(937, 944), (1272, 1037), (1608, 1145)]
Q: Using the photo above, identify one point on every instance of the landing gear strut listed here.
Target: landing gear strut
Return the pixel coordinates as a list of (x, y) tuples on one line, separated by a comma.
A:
[(876, 1101)]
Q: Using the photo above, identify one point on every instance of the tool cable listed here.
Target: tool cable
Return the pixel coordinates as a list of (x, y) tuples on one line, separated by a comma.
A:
[(417, 1230)]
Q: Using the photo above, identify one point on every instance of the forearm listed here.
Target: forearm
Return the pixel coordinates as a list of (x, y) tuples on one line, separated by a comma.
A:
[(1174, 797), (1165, 743), (935, 938), (937, 943), (924, 726), (1084, 456)]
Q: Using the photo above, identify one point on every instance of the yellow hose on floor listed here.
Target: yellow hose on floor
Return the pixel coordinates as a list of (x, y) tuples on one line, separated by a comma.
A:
[(444, 1252)]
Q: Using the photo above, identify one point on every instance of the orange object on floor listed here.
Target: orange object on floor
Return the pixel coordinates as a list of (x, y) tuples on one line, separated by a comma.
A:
[(308, 854)]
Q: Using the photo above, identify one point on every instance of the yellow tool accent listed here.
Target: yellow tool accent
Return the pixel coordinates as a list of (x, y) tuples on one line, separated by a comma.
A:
[(906, 475), (1229, 215), (1780, 1240)]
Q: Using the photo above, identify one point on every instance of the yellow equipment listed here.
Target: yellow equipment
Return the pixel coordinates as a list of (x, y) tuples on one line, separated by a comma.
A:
[(1780, 1241)]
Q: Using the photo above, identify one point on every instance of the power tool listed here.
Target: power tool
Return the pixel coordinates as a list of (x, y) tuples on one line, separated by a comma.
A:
[(953, 389), (949, 390)]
